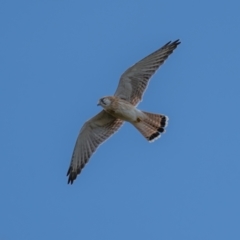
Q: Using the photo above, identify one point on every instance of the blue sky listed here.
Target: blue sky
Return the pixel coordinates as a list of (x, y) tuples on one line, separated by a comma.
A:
[(57, 59)]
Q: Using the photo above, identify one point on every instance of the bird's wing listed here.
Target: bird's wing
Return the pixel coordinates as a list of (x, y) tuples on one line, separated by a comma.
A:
[(134, 80), (93, 133)]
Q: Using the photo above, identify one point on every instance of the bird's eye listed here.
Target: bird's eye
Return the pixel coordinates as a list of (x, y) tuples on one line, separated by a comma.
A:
[(102, 100)]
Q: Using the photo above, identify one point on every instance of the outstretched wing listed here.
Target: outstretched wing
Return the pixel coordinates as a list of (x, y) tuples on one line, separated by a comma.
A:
[(134, 81), (93, 133)]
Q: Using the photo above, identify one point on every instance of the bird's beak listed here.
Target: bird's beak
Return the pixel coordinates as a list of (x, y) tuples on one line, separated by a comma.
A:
[(98, 104)]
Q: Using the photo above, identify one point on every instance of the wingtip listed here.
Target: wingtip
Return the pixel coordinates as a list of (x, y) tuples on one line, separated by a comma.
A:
[(172, 43), (176, 42), (69, 181), (72, 175), (69, 170)]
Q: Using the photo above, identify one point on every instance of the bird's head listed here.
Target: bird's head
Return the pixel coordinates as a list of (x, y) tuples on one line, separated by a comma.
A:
[(104, 102)]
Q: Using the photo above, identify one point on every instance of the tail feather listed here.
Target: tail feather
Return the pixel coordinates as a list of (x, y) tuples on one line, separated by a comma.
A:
[(152, 125)]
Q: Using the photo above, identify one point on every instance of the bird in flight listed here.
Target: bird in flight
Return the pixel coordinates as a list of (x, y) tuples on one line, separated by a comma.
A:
[(122, 107)]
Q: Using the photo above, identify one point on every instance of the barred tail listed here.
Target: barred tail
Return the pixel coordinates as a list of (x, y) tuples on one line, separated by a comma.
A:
[(152, 125)]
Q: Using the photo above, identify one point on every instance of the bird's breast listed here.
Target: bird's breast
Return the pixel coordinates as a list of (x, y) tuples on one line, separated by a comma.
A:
[(124, 111)]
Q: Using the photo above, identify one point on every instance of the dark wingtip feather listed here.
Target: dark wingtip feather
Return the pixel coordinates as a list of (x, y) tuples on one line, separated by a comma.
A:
[(69, 170), (177, 42), (72, 175), (174, 43)]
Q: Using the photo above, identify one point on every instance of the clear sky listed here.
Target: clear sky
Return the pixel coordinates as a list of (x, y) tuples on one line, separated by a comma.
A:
[(57, 58)]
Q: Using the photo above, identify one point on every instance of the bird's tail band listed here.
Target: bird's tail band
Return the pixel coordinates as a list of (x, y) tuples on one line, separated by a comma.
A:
[(152, 125)]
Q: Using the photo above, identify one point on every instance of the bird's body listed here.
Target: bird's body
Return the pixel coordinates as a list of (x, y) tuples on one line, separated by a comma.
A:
[(122, 107)]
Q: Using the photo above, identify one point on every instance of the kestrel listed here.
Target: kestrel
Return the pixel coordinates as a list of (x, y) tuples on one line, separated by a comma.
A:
[(122, 107)]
